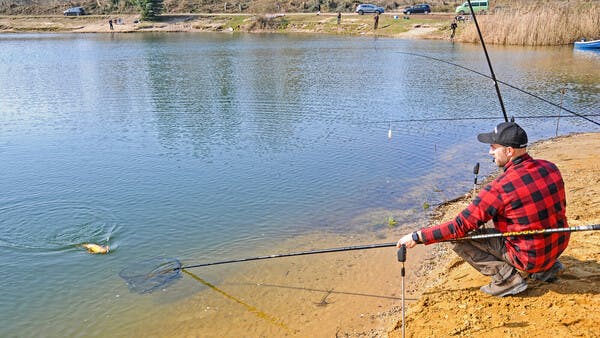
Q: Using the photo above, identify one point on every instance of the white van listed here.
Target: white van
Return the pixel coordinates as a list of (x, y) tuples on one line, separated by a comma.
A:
[(478, 7)]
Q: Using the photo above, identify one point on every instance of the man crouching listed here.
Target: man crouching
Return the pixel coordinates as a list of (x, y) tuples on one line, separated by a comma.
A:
[(528, 195)]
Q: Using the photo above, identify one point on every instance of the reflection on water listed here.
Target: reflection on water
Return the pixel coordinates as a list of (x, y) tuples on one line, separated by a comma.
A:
[(204, 146)]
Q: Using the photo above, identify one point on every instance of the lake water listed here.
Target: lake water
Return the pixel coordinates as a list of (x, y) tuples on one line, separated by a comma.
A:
[(206, 147)]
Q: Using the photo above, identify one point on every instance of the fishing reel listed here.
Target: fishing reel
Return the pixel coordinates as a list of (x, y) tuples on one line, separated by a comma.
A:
[(402, 257), (402, 253)]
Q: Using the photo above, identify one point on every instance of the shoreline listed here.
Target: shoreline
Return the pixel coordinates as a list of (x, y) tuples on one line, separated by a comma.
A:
[(433, 26)]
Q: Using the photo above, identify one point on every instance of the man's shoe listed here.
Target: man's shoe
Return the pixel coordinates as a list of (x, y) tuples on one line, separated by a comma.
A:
[(511, 286), (549, 275)]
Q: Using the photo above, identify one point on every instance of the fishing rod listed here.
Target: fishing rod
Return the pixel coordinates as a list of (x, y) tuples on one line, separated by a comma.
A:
[(528, 232), (391, 244), (488, 61), (506, 84), (291, 254)]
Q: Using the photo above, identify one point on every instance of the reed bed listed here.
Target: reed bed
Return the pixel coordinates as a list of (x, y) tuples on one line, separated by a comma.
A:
[(538, 24)]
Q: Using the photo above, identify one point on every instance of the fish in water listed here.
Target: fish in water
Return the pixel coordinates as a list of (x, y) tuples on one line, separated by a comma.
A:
[(96, 248)]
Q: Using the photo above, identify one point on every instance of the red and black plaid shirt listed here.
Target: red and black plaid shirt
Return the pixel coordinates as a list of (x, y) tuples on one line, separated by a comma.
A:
[(529, 195)]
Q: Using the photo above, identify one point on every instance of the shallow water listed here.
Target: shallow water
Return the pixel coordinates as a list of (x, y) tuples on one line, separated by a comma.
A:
[(205, 147)]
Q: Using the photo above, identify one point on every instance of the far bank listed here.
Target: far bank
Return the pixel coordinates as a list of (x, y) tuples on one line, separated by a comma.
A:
[(550, 24)]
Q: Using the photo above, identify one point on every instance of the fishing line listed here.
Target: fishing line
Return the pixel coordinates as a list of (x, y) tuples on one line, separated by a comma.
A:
[(336, 292), (473, 118), (506, 84)]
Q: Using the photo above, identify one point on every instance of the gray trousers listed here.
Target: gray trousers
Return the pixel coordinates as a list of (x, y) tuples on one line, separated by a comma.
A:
[(488, 256)]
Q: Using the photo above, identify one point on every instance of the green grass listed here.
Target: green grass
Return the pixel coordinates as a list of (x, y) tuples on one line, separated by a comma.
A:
[(350, 24), (236, 20)]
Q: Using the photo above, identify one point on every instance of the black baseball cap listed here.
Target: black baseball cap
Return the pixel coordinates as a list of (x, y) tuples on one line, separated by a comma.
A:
[(508, 134)]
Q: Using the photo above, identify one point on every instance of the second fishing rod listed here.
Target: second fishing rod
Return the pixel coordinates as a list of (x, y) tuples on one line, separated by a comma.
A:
[(492, 75)]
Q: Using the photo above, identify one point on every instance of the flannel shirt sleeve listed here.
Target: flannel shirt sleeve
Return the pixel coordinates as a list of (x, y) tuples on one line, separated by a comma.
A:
[(484, 207)]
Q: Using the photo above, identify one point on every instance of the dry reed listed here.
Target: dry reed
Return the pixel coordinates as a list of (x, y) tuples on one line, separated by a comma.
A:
[(538, 24)]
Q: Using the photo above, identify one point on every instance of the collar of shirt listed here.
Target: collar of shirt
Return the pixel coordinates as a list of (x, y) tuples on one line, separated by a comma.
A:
[(516, 161)]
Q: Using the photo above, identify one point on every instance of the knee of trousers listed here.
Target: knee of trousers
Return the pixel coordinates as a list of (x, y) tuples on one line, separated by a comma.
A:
[(459, 247)]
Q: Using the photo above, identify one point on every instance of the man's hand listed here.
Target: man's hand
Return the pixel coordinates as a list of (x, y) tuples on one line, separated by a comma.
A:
[(408, 241)]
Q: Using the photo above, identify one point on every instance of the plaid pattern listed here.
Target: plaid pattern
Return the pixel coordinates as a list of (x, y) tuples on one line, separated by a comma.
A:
[(529, 195)]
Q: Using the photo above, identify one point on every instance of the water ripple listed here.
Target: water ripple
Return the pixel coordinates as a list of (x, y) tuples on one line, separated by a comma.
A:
[(57, 225)]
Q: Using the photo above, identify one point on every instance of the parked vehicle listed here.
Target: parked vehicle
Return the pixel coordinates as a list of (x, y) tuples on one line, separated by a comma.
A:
[(74, 11), (422, 8), (369, 8), (478, 7)]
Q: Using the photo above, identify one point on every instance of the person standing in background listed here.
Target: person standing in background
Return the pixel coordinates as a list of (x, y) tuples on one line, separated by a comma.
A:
[(453, 26)]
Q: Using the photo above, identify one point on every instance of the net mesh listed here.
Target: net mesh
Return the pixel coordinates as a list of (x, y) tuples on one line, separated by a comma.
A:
[(151, 275)]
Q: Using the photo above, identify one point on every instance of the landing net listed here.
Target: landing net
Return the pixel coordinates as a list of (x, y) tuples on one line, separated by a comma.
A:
[(151, 275)]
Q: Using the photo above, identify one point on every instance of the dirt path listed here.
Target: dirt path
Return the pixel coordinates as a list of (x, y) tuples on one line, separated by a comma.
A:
[(418, 32)]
